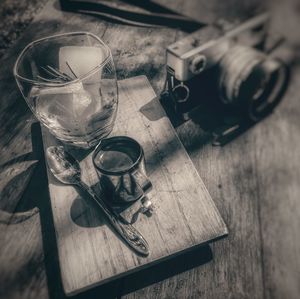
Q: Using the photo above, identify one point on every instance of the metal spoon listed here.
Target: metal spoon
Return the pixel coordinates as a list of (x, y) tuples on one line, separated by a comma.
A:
[(67, 170)]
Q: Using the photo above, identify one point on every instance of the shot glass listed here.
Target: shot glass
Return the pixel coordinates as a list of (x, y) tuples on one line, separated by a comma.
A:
[(120, 164)]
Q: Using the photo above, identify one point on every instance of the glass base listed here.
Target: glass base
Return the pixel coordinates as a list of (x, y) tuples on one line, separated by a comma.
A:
[(82, 142)]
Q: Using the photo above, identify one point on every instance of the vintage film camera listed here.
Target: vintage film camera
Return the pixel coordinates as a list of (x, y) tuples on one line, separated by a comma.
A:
[(225, 73)]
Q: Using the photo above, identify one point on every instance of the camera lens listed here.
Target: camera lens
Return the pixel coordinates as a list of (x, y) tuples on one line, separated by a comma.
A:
[(270, 78), (251, 81)]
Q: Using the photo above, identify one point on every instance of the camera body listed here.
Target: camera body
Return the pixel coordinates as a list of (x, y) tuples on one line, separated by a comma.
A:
[(225, 67)]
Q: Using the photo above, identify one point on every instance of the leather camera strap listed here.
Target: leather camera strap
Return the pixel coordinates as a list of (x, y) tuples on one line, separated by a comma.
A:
[(129, 12)]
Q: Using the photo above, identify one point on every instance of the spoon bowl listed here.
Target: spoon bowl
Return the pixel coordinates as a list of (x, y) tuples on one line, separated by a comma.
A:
[(63, 165)]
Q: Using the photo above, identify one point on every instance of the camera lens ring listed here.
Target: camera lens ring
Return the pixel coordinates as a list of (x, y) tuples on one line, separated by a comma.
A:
[(273, 90), (235, 68), (251, 81)]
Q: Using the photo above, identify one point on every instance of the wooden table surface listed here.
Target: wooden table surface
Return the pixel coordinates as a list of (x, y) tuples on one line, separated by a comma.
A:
[(254, 182)]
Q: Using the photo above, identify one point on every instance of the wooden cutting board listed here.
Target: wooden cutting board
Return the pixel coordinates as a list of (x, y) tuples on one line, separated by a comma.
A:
[(185, 216)]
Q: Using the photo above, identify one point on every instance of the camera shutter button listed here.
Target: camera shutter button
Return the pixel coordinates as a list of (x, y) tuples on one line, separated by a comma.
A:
[(198, 64)]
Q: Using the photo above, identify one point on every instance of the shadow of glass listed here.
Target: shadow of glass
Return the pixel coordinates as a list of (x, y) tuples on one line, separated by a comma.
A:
[(14, 186), (15, 175), (34, 155), (85, 213), (150, 110), (79, 153)]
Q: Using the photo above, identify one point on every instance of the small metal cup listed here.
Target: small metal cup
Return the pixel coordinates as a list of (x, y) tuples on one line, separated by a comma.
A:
[(120, 165)]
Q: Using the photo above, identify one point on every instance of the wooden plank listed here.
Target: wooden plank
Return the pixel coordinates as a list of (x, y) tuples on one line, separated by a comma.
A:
[(89, 252), (16, 279), (277, 149)]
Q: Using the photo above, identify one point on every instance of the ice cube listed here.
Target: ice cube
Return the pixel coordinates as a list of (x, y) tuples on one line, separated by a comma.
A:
[(81, 60), (69, 105), (81, 100), (64, 89)]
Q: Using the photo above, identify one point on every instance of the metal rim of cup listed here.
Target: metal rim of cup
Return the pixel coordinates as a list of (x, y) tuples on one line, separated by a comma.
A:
[(90, 73), (104, 142)]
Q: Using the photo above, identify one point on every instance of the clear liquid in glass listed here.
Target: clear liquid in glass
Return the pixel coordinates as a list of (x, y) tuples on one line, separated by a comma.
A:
[(76, 113)]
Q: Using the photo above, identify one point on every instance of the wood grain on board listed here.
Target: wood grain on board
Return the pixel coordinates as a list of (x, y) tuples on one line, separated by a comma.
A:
[(89, 252), (254, 180)]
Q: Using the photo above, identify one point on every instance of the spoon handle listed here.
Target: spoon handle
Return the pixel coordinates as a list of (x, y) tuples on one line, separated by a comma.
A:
[(128, 233)]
